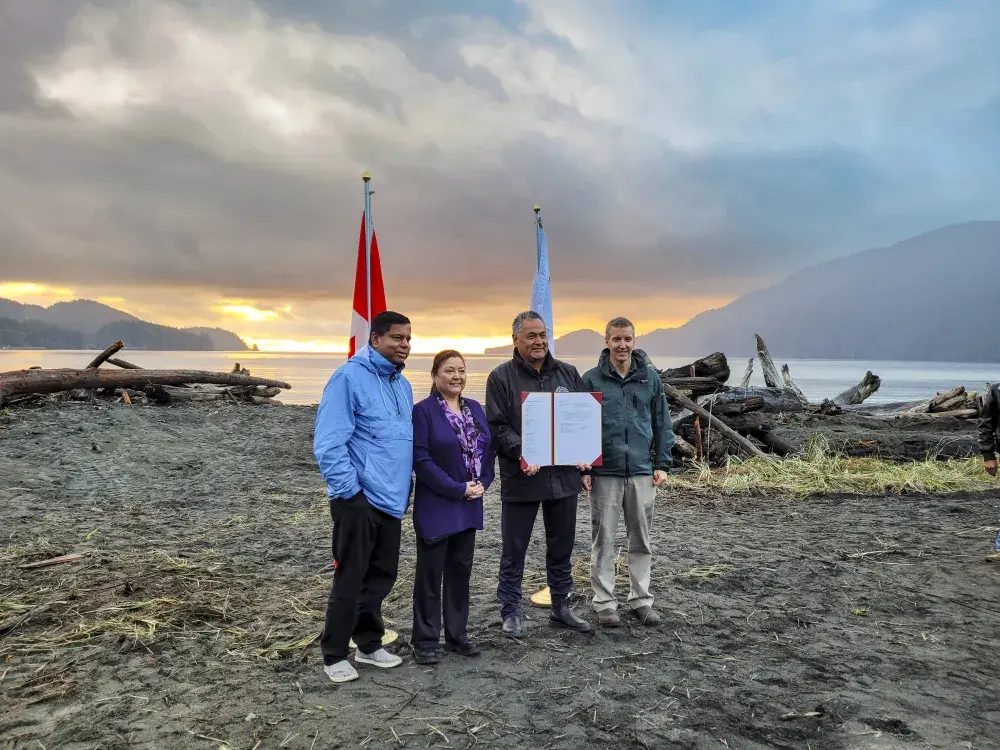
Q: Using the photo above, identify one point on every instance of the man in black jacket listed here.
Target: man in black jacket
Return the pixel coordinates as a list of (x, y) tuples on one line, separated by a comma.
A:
[(554, 488), (989, 440)]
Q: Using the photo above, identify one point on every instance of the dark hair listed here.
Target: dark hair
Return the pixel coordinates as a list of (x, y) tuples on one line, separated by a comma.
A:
[(386, 320), (618, 323), (522, 318), (439, 359)]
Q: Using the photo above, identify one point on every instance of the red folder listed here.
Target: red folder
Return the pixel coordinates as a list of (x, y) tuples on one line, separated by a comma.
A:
[(599, 397)]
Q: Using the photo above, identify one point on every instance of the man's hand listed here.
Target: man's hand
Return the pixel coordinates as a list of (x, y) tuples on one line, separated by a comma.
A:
[(991, 467), (584, 467), (588, 482), (531, 470), (659, 477)]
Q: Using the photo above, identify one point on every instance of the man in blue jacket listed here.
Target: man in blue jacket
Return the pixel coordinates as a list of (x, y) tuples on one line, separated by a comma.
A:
[(364, 447), (638, 435)]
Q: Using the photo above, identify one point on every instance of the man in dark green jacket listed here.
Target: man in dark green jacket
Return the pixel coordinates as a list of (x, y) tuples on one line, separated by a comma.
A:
[(989, 440), (637, 437)]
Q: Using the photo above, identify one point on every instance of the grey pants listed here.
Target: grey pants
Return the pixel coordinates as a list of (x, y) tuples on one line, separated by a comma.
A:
[(608, 498)]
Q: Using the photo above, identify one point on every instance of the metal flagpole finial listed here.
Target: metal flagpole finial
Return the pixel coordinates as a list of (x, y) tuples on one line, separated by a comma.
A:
[(366, 176), (537, 208)]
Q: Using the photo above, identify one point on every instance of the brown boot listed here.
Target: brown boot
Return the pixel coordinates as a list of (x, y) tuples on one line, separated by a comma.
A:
[(608, 618), (647, 616), (994, 558)]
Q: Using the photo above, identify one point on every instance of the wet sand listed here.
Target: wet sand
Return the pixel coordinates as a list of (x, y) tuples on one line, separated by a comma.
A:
[(833, 622)]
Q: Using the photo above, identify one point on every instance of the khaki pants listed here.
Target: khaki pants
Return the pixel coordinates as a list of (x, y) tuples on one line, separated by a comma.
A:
[(608, 498)]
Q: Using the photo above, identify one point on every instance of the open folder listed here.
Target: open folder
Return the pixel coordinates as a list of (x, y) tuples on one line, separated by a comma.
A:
[(560, 429)]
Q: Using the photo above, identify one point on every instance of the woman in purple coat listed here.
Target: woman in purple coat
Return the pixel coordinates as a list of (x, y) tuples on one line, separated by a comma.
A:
[(453, 462)]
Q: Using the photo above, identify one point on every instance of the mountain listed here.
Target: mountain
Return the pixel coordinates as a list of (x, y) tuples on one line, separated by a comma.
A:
[(35, 333), (87, 324), (85, 315), (222, 340), (934, 297)]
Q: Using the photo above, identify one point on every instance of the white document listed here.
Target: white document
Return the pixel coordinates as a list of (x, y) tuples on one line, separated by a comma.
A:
[(536, 429), (577, 433), (560, 429)]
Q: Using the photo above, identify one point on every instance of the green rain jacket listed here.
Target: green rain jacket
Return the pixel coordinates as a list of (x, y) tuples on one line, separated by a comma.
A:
[(637, 432)]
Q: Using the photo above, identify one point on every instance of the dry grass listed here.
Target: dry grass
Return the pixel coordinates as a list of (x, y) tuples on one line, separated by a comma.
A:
[(820, 471), (144, 599)]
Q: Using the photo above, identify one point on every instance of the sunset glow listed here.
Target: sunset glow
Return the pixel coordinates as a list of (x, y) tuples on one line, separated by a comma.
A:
[(29, 292), (248, 312)]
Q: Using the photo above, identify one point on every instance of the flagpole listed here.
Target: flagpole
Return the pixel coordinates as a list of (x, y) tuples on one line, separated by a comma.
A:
[(538, 247), (368, 250)]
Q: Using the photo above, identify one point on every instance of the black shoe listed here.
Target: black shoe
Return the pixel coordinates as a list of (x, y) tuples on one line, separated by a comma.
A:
[(512, 626), (468, 648), (562, 615), (425, 656)]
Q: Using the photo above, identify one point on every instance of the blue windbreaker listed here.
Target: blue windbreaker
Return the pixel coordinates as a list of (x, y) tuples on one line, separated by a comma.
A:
[(364, 432)]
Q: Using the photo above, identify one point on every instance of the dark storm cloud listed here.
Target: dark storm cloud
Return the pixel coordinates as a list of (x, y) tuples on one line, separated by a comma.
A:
[(155, 198)]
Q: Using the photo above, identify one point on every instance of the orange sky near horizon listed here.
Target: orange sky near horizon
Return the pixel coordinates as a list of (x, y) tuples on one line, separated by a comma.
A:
[(291, 325)]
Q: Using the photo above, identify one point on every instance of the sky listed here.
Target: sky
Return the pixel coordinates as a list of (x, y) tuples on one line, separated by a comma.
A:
[(199, 163)]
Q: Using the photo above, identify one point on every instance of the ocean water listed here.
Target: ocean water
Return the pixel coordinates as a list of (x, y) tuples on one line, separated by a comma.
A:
[(308, 373)]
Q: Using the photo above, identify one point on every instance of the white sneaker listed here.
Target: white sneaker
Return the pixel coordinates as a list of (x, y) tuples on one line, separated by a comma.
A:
[(342, 671), (381, 659)]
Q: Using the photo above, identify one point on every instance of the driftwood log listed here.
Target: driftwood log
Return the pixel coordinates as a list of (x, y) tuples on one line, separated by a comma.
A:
[(857, 394), (730, 434), (167, 394), (697, 386), (21, 382), (745, 382), (789, 382), (106, 355), (123, 364), (772, 378), (714, 366)]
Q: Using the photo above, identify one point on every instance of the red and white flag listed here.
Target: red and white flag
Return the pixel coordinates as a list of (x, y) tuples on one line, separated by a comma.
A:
[(360, 323)]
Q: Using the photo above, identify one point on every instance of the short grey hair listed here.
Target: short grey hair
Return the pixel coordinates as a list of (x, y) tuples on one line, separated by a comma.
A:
[(519, 321), (618, 323)]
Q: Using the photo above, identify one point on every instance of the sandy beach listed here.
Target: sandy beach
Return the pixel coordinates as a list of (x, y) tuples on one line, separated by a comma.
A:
[(828, 622)]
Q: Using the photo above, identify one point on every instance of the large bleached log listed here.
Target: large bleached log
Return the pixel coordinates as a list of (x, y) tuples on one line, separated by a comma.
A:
[(771, 377), (730, 434), (52, 381), (790, 384), (857, 394), (106, 355), (713, 366)]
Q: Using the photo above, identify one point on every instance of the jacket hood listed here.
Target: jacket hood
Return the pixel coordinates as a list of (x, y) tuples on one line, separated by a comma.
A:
[(640, 360), (374, 362)]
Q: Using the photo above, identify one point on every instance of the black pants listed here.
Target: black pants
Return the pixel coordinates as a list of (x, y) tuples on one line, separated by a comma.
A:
[(448, 560), (366, 548), (516, 523)]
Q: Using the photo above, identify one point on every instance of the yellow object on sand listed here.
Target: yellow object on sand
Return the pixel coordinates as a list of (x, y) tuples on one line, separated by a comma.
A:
[(389, 637), (542, 598)]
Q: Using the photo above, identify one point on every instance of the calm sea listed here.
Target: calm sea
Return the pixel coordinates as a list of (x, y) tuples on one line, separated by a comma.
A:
[(308, 373)]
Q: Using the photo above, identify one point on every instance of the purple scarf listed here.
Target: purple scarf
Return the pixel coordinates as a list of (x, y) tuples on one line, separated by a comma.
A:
[(467, 433)]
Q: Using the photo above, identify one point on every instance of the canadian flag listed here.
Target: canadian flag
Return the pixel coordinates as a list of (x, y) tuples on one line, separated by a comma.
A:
[(360, 324)]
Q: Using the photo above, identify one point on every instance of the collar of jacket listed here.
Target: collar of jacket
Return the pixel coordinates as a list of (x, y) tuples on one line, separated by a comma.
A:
[(371, 359), (640, 361), (547, 364)]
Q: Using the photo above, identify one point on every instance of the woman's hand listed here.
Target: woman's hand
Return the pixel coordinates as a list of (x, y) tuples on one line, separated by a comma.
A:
[(474, 490)]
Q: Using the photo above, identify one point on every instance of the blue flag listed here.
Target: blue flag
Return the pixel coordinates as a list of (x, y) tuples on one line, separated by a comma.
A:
[(541, 288)]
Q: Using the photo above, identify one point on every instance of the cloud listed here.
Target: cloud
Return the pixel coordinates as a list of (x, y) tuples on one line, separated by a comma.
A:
[(681, 155)]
